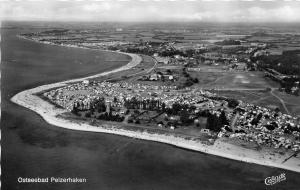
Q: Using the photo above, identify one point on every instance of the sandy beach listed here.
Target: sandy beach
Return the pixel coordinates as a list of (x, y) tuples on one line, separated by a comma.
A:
[(49, 113)]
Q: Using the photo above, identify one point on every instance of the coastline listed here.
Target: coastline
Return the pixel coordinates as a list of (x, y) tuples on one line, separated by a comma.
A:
[(49, 113)]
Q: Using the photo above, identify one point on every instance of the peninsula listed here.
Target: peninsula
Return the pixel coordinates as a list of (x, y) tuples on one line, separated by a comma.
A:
[(155, 97)]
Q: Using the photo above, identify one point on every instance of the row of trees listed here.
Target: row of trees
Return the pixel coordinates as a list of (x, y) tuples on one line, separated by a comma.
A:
[(147, 104), (98, 105), (95, 105), (184, 111)]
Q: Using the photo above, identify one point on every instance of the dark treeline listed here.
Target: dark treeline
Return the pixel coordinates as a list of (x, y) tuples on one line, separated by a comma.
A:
[(228, 42), (215, 123), (146, 104), (288, 63), (55, 31), (232, 103), (186, 112)]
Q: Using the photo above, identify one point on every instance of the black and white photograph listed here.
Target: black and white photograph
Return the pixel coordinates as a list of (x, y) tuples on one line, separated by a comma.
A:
[(150, 94)]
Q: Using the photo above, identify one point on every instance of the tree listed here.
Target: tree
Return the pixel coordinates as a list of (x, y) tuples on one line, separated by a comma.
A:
[(99, 105), (189, 52), (163, 106), (195, 80), (210, 121), (223, 118), (270, 127), (75, 110), (115, 99), (184, 117), (256, 120), (176, 107), (214, 123), (232, 103), (188, 82), (88, 114)]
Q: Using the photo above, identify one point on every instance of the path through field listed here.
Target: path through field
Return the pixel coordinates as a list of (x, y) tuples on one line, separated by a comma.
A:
[(281, 101)]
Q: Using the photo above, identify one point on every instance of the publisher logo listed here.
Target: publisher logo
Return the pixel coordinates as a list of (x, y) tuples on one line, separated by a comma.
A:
[(275, 179)]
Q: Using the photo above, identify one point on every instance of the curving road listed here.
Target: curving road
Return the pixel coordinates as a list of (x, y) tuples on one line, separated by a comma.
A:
[(256, 89), (281, 101)]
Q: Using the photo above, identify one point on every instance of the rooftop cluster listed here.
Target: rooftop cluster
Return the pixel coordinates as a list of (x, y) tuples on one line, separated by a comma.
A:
[(247, 121)]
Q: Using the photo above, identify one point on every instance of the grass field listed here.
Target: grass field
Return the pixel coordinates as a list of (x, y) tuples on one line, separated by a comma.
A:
[(249, 87), (292, 102), (233, 80), (266, 99)]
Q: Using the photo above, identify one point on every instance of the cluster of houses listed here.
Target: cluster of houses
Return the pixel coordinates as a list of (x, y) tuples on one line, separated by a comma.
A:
[(238, 66), (174, 60), (249, 122), (232, 61), (83, 94), (158, 76), (80, 94), (265, 127), (218, 55), (164, 49), (86, 92), (163, 52)]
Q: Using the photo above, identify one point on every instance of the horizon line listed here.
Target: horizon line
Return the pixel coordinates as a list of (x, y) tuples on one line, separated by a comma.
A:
[(158, 21)]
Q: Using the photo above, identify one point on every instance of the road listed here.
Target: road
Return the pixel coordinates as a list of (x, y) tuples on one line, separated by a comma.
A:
[(256, 89), (237, 89), (148, 70), (145, 71), (234, 120), (154, 66), (138, 73), (281, 101)]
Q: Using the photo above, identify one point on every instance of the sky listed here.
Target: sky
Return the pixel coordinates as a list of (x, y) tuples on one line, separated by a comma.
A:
[(151, 10)]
